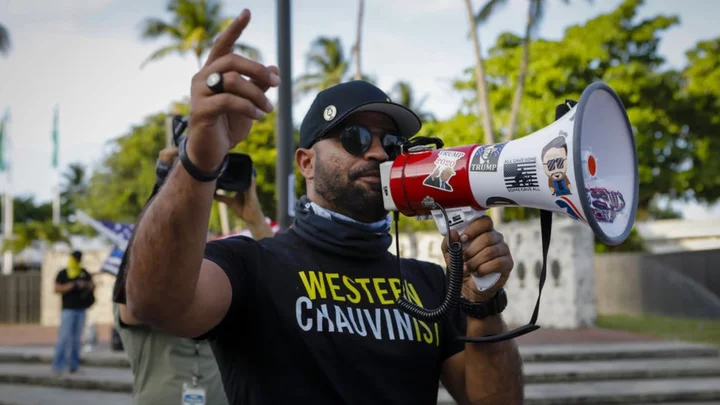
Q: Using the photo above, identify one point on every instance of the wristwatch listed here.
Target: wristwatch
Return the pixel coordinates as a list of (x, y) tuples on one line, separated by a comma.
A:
[(193, 170), (481, 310)]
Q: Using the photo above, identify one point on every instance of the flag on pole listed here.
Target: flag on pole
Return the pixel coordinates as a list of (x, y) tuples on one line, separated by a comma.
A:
[(118, 233), (123, 231), (3, 130), (112, 263), (55, 139)]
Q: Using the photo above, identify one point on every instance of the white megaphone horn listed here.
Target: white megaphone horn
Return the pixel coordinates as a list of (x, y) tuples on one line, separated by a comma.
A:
[(583, 165)]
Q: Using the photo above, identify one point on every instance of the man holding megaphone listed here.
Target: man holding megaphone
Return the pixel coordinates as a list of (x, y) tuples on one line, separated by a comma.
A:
[(311, 315)]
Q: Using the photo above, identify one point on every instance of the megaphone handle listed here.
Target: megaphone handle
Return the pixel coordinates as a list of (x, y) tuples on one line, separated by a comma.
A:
[(465, 215)]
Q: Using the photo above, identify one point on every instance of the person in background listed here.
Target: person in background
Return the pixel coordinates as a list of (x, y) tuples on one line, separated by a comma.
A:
[(164, 365), (76, 287)]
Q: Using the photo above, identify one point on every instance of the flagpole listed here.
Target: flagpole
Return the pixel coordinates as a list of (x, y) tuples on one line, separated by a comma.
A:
[(56, 172), (7, 217)]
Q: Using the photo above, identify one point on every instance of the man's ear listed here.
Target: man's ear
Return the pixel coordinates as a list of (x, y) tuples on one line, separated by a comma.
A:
[(305, 160)]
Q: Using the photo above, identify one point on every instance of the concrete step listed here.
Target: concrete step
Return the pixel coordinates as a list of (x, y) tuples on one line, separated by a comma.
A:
[(573, 371), (43, 354), (530, 354), (119, 379), (615, 351), (657, 391), (87, 378), (27, 395)]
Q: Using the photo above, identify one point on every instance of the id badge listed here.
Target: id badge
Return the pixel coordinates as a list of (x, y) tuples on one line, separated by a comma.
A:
[(193, 395)]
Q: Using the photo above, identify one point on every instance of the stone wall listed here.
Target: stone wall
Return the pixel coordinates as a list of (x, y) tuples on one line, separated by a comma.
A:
[(568, 299), (51, 303)]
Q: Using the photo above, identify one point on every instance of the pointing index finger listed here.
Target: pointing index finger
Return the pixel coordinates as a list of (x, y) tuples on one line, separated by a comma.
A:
[(224, 44)]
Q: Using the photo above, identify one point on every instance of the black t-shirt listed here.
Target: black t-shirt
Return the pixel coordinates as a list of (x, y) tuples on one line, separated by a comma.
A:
[(307, 326), (76, 298)]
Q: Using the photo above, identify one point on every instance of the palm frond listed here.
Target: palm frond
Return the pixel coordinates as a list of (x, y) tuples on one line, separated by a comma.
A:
[(153, 28), (248, 51), (161, 53), (489, 9), (191, 41)]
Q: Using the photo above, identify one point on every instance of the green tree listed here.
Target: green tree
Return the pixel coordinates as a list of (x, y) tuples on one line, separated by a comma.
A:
[(621, 51), (74, 186), (193, 27), (700, 135), (32, 222), (402, 93), (26, 209), (120, 186), (4, 40), (27, 233)]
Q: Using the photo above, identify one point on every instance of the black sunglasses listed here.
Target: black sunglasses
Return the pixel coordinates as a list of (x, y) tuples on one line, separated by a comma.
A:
[(357, 140)]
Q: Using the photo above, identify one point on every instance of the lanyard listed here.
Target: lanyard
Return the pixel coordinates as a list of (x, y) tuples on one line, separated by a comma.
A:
[(196, 366)]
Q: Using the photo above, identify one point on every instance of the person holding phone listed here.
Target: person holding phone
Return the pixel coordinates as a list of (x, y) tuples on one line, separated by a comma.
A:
[(76, 287)]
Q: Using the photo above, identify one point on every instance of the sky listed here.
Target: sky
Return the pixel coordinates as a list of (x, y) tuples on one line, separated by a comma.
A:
[(84, 56)]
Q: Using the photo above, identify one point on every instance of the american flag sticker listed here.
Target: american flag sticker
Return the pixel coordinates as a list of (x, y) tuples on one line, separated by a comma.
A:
[(521, 175)]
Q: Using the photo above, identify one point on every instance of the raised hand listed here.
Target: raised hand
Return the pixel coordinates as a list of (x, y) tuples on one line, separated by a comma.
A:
[(219, 120)]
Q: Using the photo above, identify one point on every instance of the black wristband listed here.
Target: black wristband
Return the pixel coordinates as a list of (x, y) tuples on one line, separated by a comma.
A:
[(493, 306), (196, 173)]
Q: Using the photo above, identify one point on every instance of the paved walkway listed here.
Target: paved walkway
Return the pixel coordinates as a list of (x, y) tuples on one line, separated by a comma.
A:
[(36, 335)]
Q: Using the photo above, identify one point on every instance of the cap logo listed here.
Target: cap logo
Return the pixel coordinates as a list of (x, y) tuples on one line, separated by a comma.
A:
[(329, 112)]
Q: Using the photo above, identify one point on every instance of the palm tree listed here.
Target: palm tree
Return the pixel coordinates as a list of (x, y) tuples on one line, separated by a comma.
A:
[(194, 26), (327, 65), (402, 93), (358, 36), (481, 80), (483, 95), (535, 14), (4, 40), (74, 187)]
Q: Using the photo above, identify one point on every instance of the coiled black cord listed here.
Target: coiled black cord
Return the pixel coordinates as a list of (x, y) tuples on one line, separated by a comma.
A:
[(455, 279)]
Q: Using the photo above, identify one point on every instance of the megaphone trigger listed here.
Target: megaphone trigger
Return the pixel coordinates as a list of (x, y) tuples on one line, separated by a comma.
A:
[(460, 218)]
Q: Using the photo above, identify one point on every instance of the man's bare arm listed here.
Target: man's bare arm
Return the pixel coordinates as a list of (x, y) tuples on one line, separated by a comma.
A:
[(485, 373), (169, 284)]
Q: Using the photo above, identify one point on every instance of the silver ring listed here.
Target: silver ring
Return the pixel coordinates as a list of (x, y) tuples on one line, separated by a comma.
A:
[(215, 82)]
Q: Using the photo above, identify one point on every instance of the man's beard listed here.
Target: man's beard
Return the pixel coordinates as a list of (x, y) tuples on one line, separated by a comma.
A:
[(347, 197)]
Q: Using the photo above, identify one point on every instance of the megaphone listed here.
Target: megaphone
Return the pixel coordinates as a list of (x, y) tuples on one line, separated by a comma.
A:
[(583, 165)]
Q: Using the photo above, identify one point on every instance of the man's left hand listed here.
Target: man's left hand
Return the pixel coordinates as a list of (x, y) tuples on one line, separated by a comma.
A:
[(485, 252)]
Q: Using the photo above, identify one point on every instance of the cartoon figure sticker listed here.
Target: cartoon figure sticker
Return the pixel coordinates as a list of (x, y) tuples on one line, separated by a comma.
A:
[(486, 158), (444, 170), (554, 158)]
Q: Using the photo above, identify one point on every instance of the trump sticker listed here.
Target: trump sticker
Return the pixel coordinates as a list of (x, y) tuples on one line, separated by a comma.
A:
[(444, 170)]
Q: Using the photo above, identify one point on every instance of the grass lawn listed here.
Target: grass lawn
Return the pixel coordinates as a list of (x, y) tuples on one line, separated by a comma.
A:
[(688, 329)]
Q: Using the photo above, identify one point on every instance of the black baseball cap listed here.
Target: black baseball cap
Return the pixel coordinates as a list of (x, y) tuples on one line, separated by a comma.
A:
[(335, 103)]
